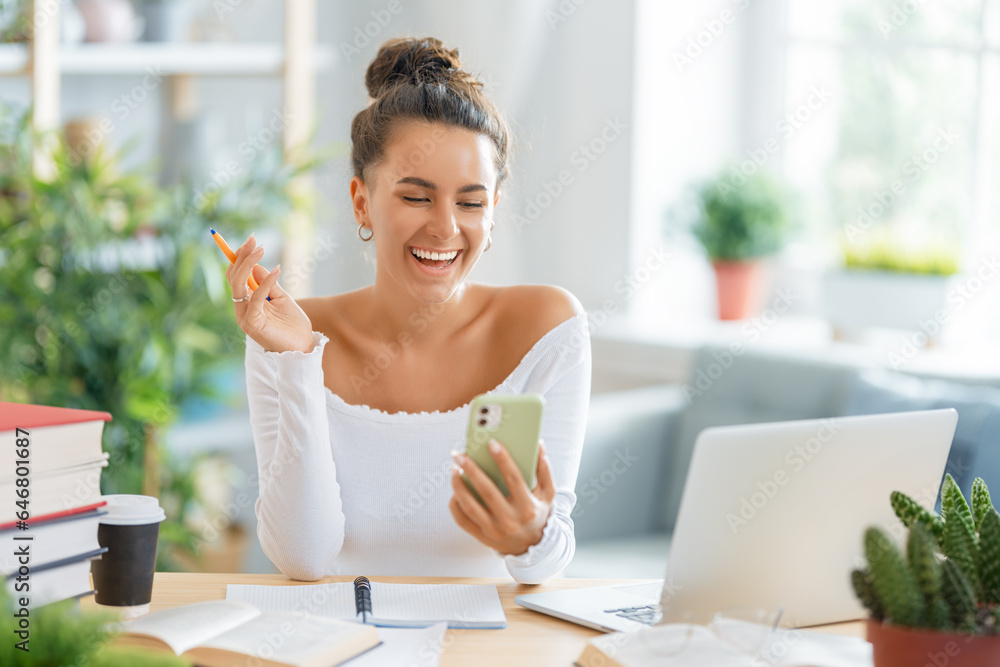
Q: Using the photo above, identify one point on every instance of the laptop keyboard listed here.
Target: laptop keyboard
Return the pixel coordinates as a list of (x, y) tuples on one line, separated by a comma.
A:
[(649, 614)]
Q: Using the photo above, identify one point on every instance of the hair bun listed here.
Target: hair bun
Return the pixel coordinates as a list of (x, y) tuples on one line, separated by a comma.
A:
[(413, 60)]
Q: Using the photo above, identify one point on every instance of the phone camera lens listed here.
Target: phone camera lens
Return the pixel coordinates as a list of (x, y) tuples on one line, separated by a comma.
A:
[(482, 422), (484, 410)]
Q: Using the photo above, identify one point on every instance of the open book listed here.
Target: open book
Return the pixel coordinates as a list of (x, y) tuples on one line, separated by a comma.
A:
[(225, 633)]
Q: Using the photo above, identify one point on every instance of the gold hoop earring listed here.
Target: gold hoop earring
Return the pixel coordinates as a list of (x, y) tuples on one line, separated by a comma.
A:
[(369, 238)]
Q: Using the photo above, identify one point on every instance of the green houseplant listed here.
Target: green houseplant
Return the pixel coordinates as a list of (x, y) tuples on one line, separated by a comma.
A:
[(740, 221), (943, 596), (89, 322)]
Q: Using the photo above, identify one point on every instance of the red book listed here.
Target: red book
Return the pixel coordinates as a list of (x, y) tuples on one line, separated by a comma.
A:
[(59, 451), (56, 437), (27, 416), (55, 515)]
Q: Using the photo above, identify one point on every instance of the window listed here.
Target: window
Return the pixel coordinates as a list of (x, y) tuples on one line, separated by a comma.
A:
[(908, 146)]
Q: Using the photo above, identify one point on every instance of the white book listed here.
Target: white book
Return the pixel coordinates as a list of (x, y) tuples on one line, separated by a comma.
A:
[(57, 490), (50, 540)]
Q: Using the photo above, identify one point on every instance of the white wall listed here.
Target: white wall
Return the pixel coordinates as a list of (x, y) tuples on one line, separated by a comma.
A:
[(561, 76)]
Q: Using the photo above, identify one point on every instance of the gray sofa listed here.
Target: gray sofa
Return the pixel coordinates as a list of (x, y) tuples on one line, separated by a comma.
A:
[(639, 442)]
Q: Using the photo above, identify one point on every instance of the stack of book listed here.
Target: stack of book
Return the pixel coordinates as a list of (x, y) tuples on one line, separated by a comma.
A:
[(50, 500)]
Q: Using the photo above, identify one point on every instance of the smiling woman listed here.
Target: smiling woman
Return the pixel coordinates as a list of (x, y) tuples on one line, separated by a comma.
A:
[(359, 401)]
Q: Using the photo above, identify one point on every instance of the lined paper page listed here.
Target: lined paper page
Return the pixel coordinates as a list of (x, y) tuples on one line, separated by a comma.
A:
[(404, 605), (333, 600), (456, 603)]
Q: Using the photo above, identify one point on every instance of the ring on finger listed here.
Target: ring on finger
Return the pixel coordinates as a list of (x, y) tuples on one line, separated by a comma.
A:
[(246, 298)]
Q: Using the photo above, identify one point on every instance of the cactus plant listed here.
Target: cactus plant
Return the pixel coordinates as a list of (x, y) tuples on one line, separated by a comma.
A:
[(989, 556), (910, 511), (981, 502), (949, 577)]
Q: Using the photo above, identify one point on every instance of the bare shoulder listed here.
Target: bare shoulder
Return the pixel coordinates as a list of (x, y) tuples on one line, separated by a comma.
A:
[(326, 312), (537, 309)]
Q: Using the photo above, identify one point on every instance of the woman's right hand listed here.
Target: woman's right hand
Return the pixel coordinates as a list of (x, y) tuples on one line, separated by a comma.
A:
[(278, 325)]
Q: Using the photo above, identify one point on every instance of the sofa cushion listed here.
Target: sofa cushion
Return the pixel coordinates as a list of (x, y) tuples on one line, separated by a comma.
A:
[(727, 388), (974, 452), (620, 480)]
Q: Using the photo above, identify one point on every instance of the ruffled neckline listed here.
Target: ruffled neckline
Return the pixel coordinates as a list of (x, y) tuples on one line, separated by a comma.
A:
[(364, 411)]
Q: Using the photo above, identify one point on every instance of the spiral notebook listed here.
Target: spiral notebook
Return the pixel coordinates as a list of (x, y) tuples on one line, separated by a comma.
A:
[(392, 605)]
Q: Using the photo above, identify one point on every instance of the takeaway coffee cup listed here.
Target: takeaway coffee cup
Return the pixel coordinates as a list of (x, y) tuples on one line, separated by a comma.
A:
[(123, 575)]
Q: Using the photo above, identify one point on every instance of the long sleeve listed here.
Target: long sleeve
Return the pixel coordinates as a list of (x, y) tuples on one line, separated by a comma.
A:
[(300, 519), (563, 378)]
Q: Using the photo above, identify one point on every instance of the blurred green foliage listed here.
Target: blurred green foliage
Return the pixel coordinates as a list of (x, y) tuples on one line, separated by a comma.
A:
[(884, 254), (60, 634), (113, 297)]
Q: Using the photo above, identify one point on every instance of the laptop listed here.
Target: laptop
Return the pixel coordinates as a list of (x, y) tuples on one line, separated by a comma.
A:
[(772, 517)]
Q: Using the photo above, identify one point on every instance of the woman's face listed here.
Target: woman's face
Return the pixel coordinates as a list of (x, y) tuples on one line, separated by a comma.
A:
[(433, 193)]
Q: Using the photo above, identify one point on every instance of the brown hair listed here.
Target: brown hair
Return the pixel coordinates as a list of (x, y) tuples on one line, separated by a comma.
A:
[(419, 79)]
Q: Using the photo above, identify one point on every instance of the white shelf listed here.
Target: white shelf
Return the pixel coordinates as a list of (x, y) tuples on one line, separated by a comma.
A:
[(165, 58)]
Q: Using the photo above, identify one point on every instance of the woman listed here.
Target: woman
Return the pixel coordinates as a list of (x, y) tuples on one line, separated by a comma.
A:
[(359, 401)]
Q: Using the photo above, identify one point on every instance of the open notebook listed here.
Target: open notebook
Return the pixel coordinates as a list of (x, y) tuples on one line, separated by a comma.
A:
[(393, 605)]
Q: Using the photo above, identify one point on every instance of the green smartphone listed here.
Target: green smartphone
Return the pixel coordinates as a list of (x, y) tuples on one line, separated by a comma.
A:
[(513, 421)]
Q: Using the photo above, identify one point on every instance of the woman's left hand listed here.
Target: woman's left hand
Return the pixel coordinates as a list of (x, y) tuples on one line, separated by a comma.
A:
[(508, 524)]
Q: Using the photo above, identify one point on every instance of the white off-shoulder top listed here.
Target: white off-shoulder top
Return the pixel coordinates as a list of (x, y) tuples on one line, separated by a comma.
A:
[(352, 490)]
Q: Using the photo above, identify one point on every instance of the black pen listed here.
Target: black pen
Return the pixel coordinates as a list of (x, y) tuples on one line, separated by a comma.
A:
[(362, 597)]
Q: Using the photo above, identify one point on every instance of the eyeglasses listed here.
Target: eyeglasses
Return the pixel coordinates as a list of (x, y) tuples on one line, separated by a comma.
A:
[(746, 630)]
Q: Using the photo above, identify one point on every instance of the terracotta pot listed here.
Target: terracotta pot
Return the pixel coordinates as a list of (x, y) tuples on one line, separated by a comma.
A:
[(906, 647), (738, 286)]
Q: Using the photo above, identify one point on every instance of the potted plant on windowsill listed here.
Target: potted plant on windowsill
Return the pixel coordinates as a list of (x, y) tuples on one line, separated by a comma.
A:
[(885, 283), (939, 601), (741, 220)]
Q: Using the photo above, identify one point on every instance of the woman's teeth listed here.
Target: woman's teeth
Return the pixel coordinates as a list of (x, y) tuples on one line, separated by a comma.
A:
[(423, 254), (434, 259)]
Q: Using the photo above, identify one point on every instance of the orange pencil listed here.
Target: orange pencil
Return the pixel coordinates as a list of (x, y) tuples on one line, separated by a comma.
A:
[(232, 257)]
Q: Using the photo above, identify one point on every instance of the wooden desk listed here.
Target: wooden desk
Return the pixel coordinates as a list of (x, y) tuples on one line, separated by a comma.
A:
[(529, 639)]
